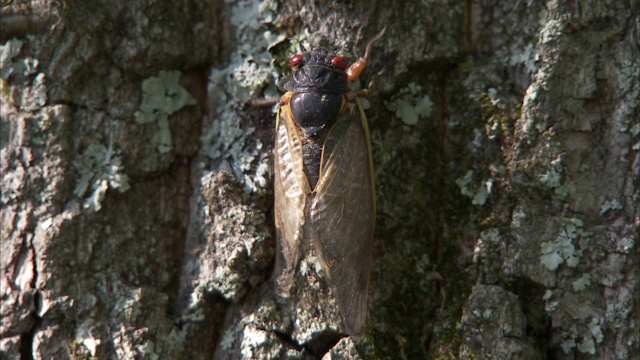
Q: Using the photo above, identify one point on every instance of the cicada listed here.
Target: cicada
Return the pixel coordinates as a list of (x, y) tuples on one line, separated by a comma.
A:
[(324, 184)]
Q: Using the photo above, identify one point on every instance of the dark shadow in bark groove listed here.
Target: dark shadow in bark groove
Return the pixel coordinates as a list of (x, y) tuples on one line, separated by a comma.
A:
[(320, 344)]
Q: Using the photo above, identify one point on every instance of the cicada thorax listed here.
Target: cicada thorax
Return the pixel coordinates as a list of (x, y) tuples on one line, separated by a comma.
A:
[(318, 83), (315, 113)]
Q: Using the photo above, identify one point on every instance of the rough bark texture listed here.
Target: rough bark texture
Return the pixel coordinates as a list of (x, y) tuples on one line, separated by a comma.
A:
[(136, 185)]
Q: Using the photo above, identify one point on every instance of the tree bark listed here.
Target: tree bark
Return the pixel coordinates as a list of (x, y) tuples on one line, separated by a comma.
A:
[(137, 189)]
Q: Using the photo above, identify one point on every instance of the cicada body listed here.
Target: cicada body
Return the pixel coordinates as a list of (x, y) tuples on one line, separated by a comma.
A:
[(324, 186)]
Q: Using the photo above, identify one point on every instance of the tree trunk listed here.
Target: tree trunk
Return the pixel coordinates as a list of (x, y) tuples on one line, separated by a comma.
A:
[(137, 193)]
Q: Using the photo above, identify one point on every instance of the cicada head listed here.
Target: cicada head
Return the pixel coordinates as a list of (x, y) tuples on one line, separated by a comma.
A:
[(319, 71)]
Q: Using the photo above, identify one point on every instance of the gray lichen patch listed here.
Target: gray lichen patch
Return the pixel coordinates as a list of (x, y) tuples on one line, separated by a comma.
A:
[(410, 104), (232, 142), (562, 249), (579, 322), (35, 97), (12, 65), (479, 194), (162, 96), (99, 169), (8, 51), (16, 69)]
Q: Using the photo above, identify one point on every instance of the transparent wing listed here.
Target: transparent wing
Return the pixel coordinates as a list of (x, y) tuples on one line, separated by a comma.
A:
[(342, 215), (291, 188)]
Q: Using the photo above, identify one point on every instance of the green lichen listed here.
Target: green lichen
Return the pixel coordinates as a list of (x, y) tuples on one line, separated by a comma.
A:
[(497, 115), (100, 168), (162, 96)]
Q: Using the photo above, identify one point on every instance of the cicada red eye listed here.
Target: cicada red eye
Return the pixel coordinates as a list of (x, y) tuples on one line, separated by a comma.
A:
[(339, 62), (295, 60)]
